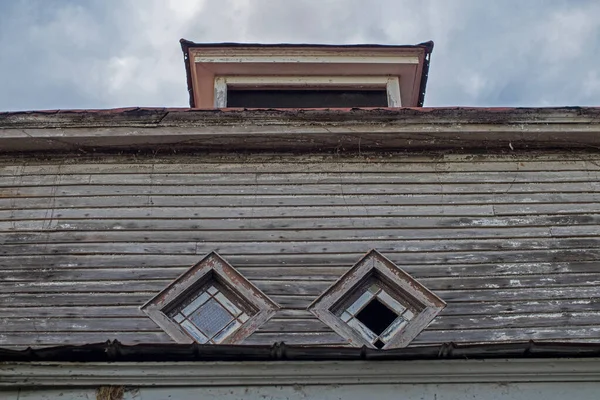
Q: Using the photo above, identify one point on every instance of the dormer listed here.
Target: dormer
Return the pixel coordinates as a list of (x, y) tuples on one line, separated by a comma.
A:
[(231, 75)]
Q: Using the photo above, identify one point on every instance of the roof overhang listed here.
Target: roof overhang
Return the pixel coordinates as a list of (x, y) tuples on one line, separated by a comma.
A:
[(312, 130), (205, 62), (112, 363), (47, 374)]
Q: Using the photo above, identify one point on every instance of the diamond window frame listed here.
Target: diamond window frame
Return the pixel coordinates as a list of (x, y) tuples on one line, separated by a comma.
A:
[(399, 286), (216, 275)]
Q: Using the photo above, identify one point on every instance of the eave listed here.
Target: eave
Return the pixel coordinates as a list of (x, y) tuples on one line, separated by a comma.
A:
[(300, 131), (183, 365)]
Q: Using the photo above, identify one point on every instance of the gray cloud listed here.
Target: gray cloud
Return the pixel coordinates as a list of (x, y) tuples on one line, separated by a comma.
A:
[(118, 53)]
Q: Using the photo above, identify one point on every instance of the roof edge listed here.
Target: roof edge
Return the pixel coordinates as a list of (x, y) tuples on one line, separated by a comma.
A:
[(288, 365), (300, 131)]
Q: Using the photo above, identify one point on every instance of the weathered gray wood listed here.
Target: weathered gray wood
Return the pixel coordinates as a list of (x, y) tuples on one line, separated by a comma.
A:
[(515, 307), (154, 178), (511, 241), (534, 320), (343, 222), (41, 339), (105, 324), (298, 338), (311, 130), (294, 325), (241, 200), (294, 272), (181, 260), (89, 311), (70, 236), (508, 334), (305, 247), (244, 212), (349, 189), (373, 162)]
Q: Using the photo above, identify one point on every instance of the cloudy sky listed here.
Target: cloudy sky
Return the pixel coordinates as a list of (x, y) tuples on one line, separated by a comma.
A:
[(119, 53)]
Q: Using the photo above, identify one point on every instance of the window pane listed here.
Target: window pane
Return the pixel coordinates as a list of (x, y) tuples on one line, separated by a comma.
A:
[(306, 98), (211, 318)]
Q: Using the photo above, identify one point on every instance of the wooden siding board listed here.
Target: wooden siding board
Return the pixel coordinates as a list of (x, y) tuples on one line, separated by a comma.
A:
[(509, 241)]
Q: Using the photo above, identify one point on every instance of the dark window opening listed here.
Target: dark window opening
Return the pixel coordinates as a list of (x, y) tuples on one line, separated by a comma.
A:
[(306, 98), (379, 344), (376, 316)]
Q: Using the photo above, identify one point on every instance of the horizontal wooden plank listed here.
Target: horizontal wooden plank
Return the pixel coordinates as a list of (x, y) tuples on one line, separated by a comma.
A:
[(459, 309), (41, 339), (245, 200), (294, 325), (243, 212), (306, 163), (90, 311), (287, 287), (74, 299), (340, 188), (507, 334), (301, 178), (519, 294), (308, 287), (116, 236), (169, 273), (341, 222), (333, 259), (295, 272), (104, 324), (297, 338), (534, 320), (527, 306), (574, 208), (322, 248), (287, 299)]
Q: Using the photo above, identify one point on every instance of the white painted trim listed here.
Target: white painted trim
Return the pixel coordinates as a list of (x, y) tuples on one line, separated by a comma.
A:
[(308, 59), (393, 92), (299, 372), (391, 84), (370, 81), (220, 97)]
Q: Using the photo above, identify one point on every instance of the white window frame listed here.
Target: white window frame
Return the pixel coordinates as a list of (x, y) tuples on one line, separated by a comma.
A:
[(390, 83)]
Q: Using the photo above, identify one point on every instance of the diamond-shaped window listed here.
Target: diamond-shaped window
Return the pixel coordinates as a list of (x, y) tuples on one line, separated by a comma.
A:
[(377, 304), (210, 303)]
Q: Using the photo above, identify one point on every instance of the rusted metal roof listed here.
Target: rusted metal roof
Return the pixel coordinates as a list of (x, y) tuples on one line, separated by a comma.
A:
[(112, 351), (426, 46)]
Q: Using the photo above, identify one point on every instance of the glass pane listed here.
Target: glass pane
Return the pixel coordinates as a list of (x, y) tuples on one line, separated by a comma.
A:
[(211, 318)]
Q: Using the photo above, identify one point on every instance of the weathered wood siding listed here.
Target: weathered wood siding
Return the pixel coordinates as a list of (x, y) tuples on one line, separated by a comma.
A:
[(511, 242)]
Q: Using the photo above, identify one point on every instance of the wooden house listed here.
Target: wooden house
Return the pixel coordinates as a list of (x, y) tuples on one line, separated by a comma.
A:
[(305, 226)]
